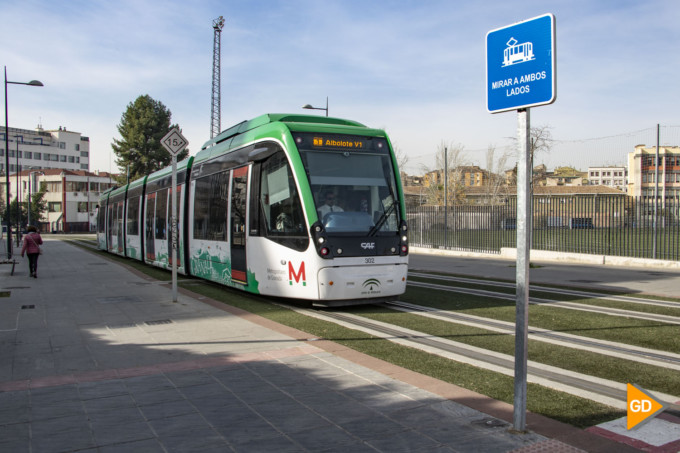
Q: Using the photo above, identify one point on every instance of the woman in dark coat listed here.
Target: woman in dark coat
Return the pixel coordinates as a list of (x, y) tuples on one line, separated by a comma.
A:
[(32, 242)]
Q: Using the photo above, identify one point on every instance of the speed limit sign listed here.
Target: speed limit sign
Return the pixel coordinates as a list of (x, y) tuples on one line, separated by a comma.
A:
[(174, 141)]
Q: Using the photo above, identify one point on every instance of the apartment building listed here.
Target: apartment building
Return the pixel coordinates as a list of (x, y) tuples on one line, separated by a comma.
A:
[(39, 149), (642, 171), (72, 196), (615, 177)]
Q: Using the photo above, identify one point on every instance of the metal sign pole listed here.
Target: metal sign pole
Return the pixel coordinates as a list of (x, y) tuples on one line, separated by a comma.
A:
[(522, 273), (174, 142), (174, 228)]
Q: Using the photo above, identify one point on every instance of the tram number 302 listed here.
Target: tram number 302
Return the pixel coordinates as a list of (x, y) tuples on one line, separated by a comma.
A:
[(369, 260)]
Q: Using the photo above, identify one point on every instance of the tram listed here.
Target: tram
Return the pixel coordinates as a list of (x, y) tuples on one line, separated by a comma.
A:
[(293, 206)]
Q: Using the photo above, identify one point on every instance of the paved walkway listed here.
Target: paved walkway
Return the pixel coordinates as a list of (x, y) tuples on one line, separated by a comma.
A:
[(94, 357)]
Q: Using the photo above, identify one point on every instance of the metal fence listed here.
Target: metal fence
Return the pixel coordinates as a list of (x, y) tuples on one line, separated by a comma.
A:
[(598, 224)]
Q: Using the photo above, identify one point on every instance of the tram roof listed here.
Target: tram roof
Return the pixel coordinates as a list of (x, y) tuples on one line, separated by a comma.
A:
[(288, 118)]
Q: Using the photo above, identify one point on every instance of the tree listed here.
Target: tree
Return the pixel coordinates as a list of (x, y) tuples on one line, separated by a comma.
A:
[(540, 141), (141, 128), (496, 179), (451, 156), (38, 207)]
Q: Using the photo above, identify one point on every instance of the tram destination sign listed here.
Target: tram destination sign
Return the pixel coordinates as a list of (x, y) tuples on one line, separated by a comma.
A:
[(317, 141), (520, 65)]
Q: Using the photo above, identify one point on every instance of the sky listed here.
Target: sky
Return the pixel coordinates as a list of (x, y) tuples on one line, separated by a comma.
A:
[(414, 68)]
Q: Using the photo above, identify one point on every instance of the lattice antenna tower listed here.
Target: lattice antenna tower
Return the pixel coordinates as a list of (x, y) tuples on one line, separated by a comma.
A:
[(215, 120)]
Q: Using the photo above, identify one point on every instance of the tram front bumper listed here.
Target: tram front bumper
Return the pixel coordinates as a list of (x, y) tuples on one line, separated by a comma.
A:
[(362, 282)]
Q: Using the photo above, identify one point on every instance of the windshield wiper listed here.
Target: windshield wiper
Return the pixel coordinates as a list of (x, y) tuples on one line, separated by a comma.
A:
[(383, 218)]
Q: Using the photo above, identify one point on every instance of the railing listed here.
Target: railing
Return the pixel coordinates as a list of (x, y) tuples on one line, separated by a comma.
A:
[(603, 225)]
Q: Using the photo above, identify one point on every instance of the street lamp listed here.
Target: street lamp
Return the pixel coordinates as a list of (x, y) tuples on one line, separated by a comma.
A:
[(309, 107), (16, 139), (30, 178), (34, 83)]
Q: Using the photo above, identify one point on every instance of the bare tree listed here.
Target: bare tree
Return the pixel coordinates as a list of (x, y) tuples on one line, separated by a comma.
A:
[(496, 180), (541, 142), (452, 156), (402, 158)]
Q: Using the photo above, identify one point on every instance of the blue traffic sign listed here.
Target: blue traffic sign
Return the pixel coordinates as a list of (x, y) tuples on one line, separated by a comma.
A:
[(520, 65)]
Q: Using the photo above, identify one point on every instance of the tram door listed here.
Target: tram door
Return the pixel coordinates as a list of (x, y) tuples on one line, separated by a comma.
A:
[(239, 199), (149, 227)]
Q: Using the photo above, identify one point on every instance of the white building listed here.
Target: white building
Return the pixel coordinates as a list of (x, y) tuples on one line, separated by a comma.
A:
[(72, 196), (614, 177), (38, 149)]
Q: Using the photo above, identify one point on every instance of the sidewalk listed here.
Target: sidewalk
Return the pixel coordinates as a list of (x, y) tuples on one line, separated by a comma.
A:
[(94, 357)]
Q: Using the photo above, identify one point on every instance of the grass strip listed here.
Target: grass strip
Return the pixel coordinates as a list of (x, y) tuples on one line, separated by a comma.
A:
[(577, 360), (631, 306), (638, 332)]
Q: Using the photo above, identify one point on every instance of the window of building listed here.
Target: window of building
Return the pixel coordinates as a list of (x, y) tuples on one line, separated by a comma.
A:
[(11, 153), (62, 145), (84, 154), (53, 186), (71, 159), (77, 146), (28, 155), (82, 206), (46, 156), (2, 152), (62, 158), (37, 156), (54, 206), (54, 157)]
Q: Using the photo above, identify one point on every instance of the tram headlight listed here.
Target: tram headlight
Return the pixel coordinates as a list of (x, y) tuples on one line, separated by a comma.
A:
[(324, 251), (321, 240), (404, 238)]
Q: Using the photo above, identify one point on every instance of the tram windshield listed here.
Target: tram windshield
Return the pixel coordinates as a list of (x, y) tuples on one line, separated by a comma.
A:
[(353, 187)]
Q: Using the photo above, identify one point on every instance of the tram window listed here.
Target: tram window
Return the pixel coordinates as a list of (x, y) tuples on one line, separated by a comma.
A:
[(133, 216), (161, 214), (363, 185), (280, 203), (210, 207)]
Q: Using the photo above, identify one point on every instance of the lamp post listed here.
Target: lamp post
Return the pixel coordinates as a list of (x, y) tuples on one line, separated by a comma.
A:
[(34, 83), (309, 107), (30, 178), (16, 139)]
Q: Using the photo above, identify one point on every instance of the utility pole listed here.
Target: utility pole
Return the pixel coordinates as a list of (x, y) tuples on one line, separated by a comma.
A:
[(215, 126)]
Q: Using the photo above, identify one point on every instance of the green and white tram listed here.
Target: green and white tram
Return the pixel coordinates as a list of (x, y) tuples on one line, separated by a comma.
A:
[(294, 206)]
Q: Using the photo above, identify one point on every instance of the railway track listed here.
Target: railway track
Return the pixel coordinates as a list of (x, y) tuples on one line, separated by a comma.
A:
[(627, 352), (548, 289), (556, 303), (597, 389)]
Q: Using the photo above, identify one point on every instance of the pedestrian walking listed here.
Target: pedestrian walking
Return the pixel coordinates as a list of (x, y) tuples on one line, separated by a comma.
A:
[(32, 242)]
